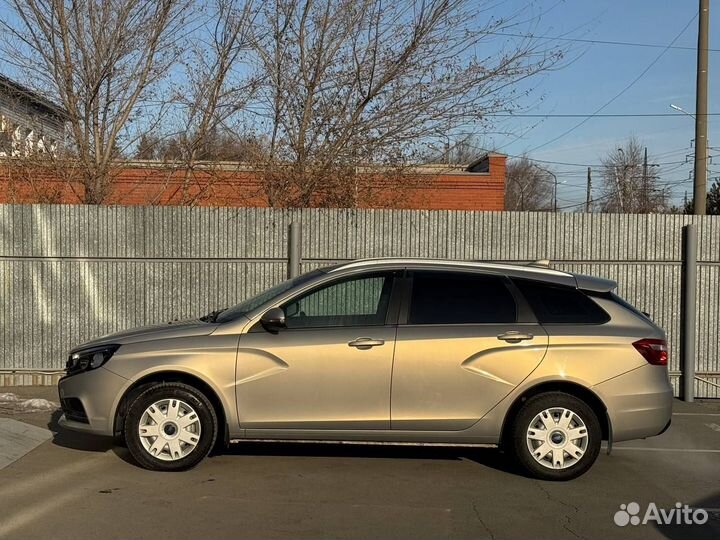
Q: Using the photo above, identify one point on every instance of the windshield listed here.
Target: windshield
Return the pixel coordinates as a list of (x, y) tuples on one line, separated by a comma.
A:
[(258, 300)]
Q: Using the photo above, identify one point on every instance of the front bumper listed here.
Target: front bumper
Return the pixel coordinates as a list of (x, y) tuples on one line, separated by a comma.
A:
[(639, 403), (95, 393)]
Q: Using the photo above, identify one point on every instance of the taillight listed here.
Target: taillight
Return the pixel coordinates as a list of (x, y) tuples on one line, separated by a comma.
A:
[(655, 351)]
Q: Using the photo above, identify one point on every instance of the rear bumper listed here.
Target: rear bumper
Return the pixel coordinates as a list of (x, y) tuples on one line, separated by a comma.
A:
[(667, 426), (639, 403), (89, 399)]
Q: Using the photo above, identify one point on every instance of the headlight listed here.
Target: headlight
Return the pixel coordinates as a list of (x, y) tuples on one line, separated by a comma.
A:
[(88, 359)]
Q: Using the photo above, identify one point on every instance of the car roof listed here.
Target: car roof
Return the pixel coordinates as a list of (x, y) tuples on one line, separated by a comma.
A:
[(539, 270)]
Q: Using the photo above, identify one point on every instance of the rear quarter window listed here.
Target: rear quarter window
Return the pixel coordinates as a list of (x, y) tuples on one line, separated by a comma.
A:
[(557, 304), (627, 305)]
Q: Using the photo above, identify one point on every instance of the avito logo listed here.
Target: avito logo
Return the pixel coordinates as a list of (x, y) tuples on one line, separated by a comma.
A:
[(681, 514)]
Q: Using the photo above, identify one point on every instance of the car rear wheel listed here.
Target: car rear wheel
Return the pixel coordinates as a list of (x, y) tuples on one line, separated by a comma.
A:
[(170, 427), (556, 436)]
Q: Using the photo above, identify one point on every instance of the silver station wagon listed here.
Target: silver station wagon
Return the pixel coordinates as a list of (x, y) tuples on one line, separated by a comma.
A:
[(546, 364)]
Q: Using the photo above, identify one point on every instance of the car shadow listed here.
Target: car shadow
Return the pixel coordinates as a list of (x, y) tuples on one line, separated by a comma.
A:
[(487, 457), (84, 442)]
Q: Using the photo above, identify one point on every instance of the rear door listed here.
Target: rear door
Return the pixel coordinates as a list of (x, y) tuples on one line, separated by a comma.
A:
[(464, 342)]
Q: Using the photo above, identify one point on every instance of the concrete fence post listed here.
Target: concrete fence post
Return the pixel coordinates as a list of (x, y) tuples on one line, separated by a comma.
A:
[(687, 331), (294, 255)]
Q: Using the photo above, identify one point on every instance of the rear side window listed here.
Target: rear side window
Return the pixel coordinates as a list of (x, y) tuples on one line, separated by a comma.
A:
[(460, 298), (556, 304)]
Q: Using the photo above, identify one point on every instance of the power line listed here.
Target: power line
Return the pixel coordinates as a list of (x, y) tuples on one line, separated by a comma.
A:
[(664, 187), (684, 150), (600, 41), (591, 115), (570, 164), (592, 201), (627, 87), (549, 162), (584, 165)]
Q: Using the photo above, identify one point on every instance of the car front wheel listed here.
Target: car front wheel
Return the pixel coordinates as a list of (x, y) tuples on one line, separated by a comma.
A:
[(170, 427), (556, 436)]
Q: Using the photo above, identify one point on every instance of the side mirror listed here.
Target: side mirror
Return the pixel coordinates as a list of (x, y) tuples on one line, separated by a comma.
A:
[(273, 320)]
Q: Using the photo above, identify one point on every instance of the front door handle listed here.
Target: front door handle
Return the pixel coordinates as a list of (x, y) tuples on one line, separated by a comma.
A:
[(364, 343), (513, 336)]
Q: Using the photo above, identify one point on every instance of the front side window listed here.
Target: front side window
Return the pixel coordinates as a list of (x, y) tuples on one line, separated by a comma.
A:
[(265, 296), (357, 301), (557, 304), (460, 298)]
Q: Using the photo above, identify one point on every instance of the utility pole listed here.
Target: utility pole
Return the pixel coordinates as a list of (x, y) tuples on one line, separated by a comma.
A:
[(701, 109), (645, 198), (621, 187), (588, 194)]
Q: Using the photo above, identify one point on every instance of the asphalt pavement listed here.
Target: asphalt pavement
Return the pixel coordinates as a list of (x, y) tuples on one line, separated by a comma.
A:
[(77, 486)]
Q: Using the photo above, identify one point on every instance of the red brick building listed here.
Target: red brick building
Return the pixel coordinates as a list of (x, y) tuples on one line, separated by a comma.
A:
[(478, 186)]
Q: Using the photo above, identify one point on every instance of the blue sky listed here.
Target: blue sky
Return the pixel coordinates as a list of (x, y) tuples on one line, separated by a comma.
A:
[(601, 71)]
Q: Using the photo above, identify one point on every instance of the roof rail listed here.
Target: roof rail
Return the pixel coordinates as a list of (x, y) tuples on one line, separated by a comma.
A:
[(540, 263)]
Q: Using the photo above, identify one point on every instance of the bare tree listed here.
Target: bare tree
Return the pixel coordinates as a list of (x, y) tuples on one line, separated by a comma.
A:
[(713, 202), (217, 89), (527, 186), (628, 185), (102, 61), (217, 145), (149, 147), (355, 82), (330, 96), (189, 169), (42, 178), (461, 151)]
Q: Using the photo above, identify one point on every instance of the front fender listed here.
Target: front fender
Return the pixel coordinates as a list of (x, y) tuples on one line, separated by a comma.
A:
[(210, 359)]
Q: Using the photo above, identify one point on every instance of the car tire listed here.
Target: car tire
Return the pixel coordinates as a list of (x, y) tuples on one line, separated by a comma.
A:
[(170, 427), (542, 436), (119, 439)]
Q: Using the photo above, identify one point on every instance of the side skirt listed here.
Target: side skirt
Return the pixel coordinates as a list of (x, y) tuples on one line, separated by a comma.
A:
[(378, 443)]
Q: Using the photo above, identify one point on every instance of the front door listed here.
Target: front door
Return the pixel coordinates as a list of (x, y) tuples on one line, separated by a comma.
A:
[(330, 369), (464, 345)]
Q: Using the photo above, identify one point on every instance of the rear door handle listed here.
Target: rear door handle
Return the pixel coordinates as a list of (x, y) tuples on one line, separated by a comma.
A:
[(366, 343), (514, 336)]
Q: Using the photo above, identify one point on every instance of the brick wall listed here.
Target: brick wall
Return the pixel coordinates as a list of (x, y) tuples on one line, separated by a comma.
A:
[(145, 183)]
